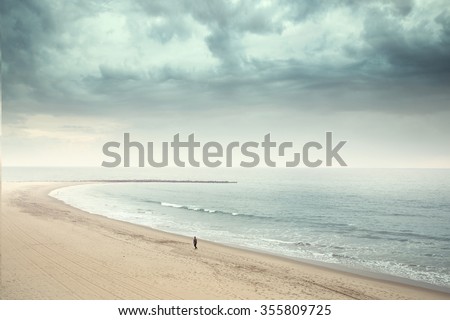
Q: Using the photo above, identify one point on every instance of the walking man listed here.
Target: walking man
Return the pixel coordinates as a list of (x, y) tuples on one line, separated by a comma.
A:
[(195, 242)]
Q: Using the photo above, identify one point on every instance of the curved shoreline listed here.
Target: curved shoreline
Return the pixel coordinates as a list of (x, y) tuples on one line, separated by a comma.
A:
[(328, 265), (241, 273)]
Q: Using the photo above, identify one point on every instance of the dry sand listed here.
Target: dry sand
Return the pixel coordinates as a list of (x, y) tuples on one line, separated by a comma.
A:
[(50, 250)]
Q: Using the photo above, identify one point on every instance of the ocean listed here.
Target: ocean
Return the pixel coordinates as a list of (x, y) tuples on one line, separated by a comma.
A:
[(389, 221)]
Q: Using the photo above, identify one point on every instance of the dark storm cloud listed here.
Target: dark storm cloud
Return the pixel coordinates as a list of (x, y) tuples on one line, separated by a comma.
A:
[(414, 53), (30, 34), (25, 27), (48, 58)]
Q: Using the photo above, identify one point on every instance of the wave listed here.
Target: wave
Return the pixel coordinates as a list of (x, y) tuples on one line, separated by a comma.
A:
[(200, 209), (401, 235), (279, 241), (412, 235), (173, 205), (343, 256)]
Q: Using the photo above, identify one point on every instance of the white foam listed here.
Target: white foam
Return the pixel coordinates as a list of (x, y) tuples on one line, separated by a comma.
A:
[(173, 205)]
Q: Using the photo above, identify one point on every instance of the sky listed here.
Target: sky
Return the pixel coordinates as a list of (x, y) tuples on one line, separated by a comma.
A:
[(78, 74)]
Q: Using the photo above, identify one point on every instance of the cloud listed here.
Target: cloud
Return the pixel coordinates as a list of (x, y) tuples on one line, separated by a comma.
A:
[(82, 71), (166, 54), (415, 47)]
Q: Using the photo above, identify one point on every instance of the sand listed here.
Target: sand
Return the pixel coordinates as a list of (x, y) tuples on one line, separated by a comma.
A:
[(50, 250)]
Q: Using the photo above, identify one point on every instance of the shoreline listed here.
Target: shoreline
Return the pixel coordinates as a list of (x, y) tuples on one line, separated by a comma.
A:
[(320, 264), (311, 280), (385, 277)]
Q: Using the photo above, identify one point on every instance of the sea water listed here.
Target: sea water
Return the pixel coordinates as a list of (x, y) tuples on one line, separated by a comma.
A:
[(390, 221)]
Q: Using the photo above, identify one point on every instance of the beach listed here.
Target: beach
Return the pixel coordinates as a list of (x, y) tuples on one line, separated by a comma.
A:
[(50, 250)]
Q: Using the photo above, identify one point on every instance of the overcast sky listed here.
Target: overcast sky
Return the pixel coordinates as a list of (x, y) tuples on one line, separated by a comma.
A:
[(76, 74)]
